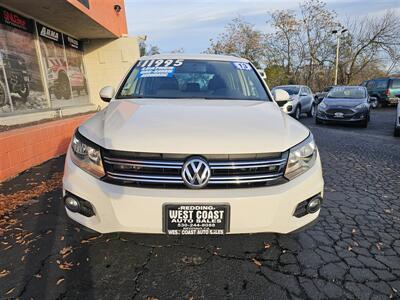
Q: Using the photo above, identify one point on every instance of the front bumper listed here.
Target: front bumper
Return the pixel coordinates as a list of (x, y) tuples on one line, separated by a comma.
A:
[(140, 210), (350, 118)]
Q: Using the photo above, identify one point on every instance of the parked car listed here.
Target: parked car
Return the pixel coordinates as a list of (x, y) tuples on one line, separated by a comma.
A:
[(301, 100), (17, 76), (384, 90), (319, 96), (345, 104), (397, 122), (188, 145)]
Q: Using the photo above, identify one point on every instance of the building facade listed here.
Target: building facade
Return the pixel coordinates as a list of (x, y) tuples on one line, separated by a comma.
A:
[(55, 55)]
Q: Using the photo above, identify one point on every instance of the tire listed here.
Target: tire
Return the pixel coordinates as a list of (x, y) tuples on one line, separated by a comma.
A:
[(318, 121), (364, 124), (3, 94), (311, 113), (396, 132), (297, 112), (24, 93), (63, 89)]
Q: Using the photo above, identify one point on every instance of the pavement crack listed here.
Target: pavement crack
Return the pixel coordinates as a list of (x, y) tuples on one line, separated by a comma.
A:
[(140, 273)]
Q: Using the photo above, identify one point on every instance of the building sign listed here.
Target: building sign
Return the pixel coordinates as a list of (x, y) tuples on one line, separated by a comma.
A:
[(72, 42), (15, 20), (85, 2), (49, 33)]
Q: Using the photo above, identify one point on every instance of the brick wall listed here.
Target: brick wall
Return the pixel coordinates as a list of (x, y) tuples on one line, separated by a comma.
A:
[(23, 148)]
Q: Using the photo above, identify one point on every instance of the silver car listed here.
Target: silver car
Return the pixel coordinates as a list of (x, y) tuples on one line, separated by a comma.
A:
[(301, 100)]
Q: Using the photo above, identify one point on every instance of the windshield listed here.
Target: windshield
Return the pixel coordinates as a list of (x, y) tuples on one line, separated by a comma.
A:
[(204, 79), (291, 90), (348, 92)]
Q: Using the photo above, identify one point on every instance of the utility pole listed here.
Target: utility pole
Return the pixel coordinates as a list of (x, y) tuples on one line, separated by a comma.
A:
[(338, 34)]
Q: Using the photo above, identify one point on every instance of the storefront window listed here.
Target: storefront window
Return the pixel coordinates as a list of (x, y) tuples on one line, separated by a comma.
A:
[(21, 86), (76, 70), (63, 64)]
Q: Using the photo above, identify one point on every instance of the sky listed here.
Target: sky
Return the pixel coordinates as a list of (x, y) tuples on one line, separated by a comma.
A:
[(189, 24)]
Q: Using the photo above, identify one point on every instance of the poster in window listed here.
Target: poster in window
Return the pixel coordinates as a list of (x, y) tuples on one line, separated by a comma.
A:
[(21, 86)]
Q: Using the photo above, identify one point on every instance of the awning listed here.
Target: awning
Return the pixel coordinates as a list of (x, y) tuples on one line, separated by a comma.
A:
[(62, 15)]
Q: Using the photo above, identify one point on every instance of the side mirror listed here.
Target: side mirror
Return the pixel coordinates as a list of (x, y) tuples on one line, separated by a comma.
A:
[(106, 93), (280, 95)]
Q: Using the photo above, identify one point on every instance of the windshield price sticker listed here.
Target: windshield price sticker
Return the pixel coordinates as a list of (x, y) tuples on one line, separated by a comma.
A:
[(156, 72), (242, 66), (196, 219), (161, 63)]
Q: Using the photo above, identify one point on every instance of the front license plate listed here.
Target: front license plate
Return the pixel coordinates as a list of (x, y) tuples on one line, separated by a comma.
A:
[(339, 115), (196, 219)]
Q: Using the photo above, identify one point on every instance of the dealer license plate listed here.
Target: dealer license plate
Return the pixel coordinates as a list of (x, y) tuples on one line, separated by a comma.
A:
[(196, 219)]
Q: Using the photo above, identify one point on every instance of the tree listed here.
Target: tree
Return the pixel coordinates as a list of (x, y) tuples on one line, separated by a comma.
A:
[(145, 49), (240, 39), (371, 41)]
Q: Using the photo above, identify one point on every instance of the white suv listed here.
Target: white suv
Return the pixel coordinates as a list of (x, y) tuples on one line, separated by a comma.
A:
[(192, 144), (301, 100)]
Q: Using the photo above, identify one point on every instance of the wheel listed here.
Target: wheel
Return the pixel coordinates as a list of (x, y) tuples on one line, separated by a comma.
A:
[(364, 124), (311, 113), (317, 121), (3, 94), (297, 112), (24, 92), (63, 89), (374, 104), (396, 131)]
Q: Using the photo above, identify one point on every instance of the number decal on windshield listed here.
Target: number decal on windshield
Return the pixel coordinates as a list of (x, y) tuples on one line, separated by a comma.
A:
[(242, 66), (161, 63)]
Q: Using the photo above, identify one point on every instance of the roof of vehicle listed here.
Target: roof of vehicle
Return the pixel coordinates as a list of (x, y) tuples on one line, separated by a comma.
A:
[(195, 56), (384, 78), (348, 86), (290, 85)]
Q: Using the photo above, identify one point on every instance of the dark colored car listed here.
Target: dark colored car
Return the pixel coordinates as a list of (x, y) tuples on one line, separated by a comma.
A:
[(345, 104), (384, 89)]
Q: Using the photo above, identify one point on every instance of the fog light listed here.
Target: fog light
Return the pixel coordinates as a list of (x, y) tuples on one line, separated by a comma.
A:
[(78, 205), (72, 204), (289, 108), (313, 205)]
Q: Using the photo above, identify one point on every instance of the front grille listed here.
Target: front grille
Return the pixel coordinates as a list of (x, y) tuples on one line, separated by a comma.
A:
[(164, 170), (344, 111)]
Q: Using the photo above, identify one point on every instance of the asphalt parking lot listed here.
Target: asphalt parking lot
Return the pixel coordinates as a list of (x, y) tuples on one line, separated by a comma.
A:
[(352, 252)]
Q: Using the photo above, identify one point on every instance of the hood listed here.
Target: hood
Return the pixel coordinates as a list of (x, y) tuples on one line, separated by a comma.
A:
[(343, 102), (193, 126)]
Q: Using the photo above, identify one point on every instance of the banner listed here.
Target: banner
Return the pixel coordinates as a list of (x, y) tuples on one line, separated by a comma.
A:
[(49, 33), (15, 20), (72, 43)]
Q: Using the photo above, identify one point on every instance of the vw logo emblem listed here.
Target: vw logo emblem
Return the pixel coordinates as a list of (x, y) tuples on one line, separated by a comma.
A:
[(196, 172)]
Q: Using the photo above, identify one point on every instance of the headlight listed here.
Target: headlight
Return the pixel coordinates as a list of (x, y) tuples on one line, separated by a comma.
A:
[(86, 155), (360, 106), (301, 158), (322, 106)]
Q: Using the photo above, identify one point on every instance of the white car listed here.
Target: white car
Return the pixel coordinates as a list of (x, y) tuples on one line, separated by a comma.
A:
[(190, 145), (301, 100)]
